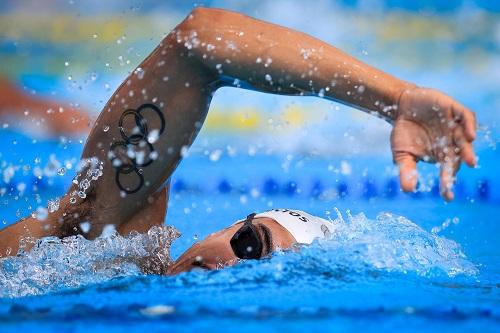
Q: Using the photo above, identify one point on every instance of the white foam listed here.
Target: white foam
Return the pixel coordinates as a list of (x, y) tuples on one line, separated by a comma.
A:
[(54, 264)]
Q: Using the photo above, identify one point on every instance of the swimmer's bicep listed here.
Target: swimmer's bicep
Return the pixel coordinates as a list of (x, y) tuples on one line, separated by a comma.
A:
[(151, 214)]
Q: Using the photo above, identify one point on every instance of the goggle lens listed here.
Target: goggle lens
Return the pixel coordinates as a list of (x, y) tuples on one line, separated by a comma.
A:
[(246, 243)]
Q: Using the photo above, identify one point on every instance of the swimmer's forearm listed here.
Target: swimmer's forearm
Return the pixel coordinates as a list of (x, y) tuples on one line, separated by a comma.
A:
[(279, 60), (27, 231)]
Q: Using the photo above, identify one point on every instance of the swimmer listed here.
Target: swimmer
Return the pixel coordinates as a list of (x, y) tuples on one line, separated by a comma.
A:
[(256, 237), (141, 134), (41, 115)]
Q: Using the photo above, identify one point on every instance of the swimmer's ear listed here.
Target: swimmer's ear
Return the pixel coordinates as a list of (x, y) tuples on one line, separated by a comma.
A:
[(151, 214)]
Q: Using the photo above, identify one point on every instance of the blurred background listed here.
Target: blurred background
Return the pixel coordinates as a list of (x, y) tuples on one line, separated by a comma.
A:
[(255, 147)]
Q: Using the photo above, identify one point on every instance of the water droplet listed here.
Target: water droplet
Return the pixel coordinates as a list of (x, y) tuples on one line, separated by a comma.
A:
[(153, 155), (53, 205), (85, 227), (108, 230), (105, 128), (61, 171), (215, 155), (140, 73), (42, 213), (153, 136)]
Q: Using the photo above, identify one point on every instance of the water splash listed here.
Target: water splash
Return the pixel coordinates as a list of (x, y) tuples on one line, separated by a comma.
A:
[(54, 264), (358, 249), (93, 170), (394, 243)]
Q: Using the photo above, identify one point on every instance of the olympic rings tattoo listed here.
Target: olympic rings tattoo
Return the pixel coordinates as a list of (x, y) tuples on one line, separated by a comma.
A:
[(134, 139)]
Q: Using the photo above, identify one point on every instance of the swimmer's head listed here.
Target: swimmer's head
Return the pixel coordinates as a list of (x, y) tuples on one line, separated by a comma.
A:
[(254, 238)]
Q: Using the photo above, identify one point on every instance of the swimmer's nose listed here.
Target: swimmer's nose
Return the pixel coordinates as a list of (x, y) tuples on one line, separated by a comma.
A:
[(187, 265), (210, 254)]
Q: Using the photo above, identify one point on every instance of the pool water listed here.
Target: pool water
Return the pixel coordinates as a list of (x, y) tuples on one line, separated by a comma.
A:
[(421, 264)]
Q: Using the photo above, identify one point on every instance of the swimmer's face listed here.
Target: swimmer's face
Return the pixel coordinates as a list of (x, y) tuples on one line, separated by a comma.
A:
[(215, 251)]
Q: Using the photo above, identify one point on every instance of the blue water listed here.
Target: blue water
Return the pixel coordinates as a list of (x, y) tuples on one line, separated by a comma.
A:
[(380, 272)]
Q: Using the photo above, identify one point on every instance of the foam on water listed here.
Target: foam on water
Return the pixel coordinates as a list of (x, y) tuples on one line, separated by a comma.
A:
[(394, 243), (54, 264), (359, 248)]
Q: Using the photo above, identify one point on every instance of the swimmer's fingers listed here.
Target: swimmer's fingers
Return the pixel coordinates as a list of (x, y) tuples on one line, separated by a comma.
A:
[(407, 164), (467, 119), (451, 162), (449, 168), (461, 150), (464, 147)]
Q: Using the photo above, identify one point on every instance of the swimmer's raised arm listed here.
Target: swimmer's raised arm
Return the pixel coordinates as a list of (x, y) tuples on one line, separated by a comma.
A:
[(428, 125), (143, 130)]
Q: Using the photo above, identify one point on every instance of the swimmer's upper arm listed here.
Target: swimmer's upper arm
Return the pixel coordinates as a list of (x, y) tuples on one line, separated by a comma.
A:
[(152, 214)]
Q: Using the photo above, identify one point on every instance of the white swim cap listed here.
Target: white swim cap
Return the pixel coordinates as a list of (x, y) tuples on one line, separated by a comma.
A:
[(304, 227)]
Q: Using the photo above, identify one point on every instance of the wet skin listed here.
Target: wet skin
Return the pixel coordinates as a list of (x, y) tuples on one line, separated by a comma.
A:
[(215, 252)]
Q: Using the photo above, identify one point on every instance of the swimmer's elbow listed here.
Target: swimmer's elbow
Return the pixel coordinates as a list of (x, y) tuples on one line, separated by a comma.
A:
[(195, 19), (200, 12), (202, 18)]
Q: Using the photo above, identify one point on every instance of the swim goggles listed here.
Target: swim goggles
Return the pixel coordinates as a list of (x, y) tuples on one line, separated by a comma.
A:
[(246, 242)]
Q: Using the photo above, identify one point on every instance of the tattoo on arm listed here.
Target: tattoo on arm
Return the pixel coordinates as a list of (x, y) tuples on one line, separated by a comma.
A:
[(136, 150)]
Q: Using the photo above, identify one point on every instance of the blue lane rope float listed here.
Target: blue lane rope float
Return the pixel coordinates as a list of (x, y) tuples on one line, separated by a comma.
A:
[(483, 190), (369, 189), (270, 186), (391, 188), (290, 188), (342, 190), (365, 188), (317, 189), (224, 186)]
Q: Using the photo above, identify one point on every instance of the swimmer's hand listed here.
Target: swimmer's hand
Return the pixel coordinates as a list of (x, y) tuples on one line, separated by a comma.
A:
[(433, 127)]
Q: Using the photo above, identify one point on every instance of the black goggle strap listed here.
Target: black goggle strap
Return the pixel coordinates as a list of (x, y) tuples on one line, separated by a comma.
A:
[(249, 219), (246, 243)]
